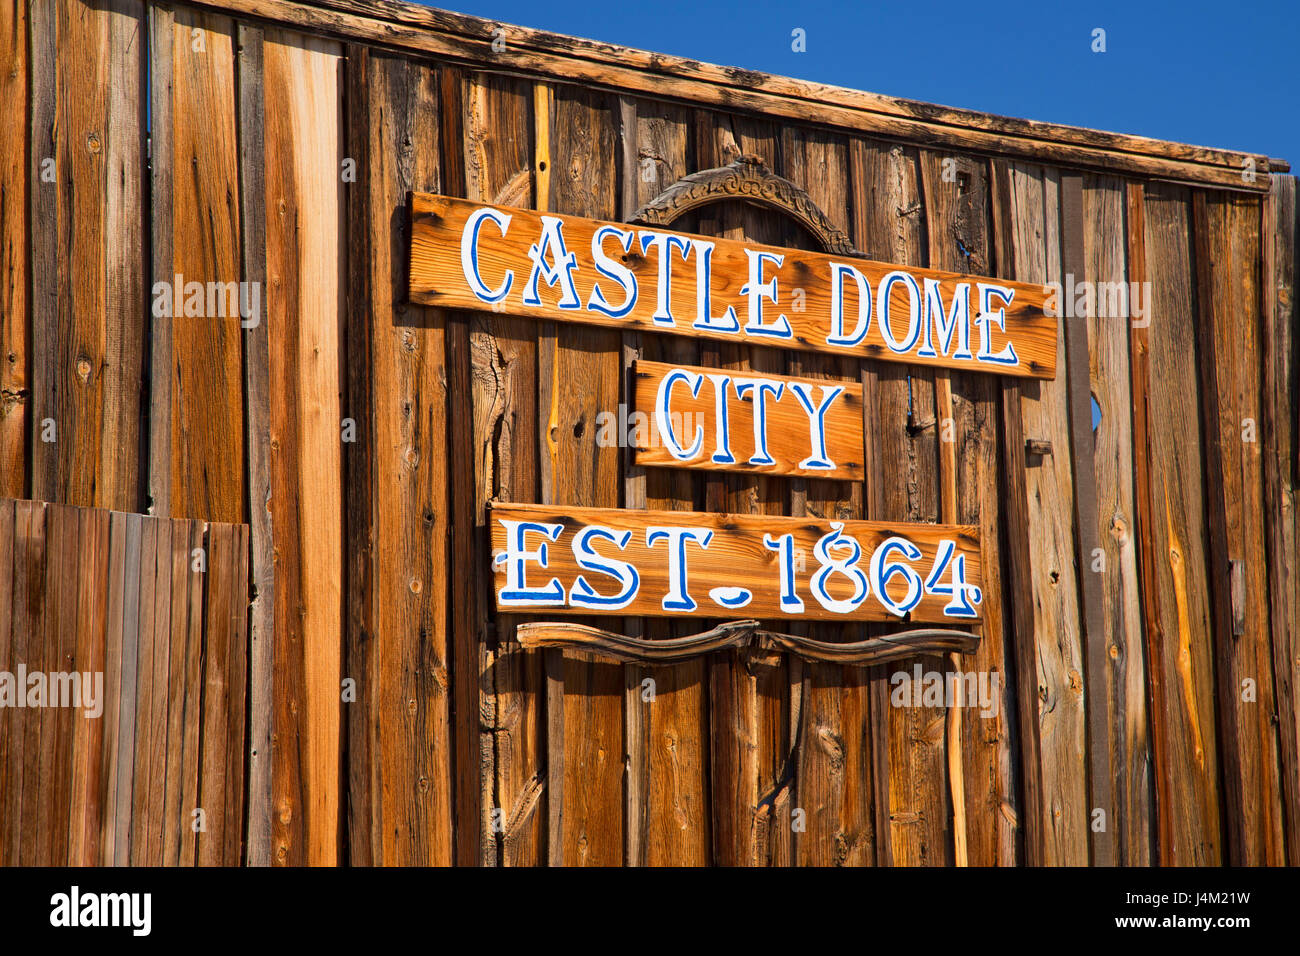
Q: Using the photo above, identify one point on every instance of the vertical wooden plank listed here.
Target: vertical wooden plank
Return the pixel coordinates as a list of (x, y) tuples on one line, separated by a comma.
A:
[(143, 769), (1099, 749), (361, 715), (497, 399), (750, 696), (10, 555), (61, 640), (88, 732), (180, 707), (257, 427), (160, 700), (1280, 468), (217, 598), (671, 825), (162, 34), (30, 622), (124, 768), (192, 744), (407, 526), (1054, 658), (43, 816), (1228, 293), (42, 247), (636, 742), (585, 127), (1108, 334), (15, 189), (20, 626), (117, 471), (207, 441), (87, 271), (474, 768), (1173, 527), (236, 698), (77, 319), (834, 779), (1039, 559), (901, 437), (957, 232), (305, 267), (110, 771)]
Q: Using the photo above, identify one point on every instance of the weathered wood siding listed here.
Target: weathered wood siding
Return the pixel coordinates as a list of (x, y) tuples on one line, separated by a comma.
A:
[(158, 608), (1141, 602)]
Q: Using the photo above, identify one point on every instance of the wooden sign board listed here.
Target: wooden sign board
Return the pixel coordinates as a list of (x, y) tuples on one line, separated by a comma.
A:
[(725, 420), (466, 255), (687, 564)]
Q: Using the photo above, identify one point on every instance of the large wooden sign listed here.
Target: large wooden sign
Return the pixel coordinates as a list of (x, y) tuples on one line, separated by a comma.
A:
[(686, 564), (466, 255), (748, 421)]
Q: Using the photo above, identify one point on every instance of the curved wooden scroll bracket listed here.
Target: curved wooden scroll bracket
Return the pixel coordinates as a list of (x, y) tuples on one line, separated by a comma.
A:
[(747, 179), (739, 634)]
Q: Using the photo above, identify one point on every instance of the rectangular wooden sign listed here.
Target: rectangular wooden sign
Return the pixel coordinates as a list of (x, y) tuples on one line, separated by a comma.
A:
[(466, 255), (725, 420), (552, 560)]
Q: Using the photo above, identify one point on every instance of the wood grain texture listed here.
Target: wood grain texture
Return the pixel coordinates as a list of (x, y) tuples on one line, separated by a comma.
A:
[(1026, 242), (213, 783), (30, 621), (400, 530), (834, 774), (1105, 251), (206, 457), (958, 225), (437, 278), (909, 764), (48, 831), (785, 435), (99, 774), (1228, 294), (87, 268), (110, 768), (162, 35), (9, 662), (467, 39), (752, 707), (1173, 514), (669, 822), (736, 557), (1100, 755), (1057, 661), (92, 575), (583, 181), (257, 426), (1280, 470), (495, 418), (304, 312), (14, 250)]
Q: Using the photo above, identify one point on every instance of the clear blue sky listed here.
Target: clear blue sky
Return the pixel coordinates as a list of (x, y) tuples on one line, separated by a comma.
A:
[(1212, 74)]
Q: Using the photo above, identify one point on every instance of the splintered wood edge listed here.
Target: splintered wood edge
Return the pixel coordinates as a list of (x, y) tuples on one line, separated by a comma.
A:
[(619, 647)]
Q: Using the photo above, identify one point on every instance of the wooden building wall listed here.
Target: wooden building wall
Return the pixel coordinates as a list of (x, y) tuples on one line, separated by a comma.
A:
[(1145, 571)]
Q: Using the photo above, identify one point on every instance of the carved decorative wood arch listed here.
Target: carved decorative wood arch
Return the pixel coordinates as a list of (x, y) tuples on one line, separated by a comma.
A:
[(749, 180)]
